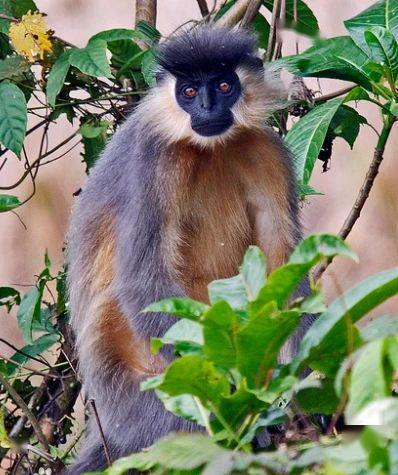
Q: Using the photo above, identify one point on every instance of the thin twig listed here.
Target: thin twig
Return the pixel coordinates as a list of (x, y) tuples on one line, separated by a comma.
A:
[(204, 9), (272, 33), (364, 191), (251, 13), (25, 409), (332, 95), (234, 14), (104, 442)]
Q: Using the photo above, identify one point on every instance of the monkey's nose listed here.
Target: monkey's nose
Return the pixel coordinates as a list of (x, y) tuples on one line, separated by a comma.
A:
[(206, 100)]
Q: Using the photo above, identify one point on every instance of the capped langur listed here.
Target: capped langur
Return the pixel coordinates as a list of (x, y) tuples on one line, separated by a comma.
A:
[(189, 181)]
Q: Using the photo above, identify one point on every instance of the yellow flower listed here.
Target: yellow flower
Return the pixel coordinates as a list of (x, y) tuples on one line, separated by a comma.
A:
[(30, 37)]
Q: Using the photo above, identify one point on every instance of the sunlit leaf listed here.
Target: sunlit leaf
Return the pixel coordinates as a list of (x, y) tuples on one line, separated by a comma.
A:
[(13, 116), (8, 202)]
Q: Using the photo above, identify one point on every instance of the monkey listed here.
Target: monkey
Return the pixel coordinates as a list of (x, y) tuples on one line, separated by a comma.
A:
[(190, 180)]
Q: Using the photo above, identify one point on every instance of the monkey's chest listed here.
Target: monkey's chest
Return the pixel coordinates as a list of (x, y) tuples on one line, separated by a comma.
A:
[(213, 231)]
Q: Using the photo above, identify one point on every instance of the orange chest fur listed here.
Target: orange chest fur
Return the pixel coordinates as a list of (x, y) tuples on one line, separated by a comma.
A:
[(211, 219)]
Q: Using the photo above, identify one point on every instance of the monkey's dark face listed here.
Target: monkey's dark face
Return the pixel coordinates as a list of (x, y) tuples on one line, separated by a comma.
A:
[(208, 99)]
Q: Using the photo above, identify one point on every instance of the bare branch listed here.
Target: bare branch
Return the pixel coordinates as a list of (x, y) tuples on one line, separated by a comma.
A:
[(145, 10), (204, 9), (25, 409), (272, 34), (364, 192), (235, 13), (104, 442), (251, 12)]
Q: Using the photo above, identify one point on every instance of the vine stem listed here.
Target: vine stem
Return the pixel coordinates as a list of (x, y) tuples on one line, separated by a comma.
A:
[(28, 413), (364, 191)]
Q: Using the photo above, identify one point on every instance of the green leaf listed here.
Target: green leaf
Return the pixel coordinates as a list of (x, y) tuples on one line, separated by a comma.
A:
[(259, 341), (383, 13), (196, 376), (57, 77), (92, 59), (231, 290), (20, 7), (13, 117), (352, 305), (370, 377), (382, 415), (306, 20), (148, 32), (306, 137), (346, 123), (39, 345), (9, 297), (253, 271), (186, 336), (13, 66), (116, 34), (220, 327), (380, 327), (8, 202), (184, 406), (5, 441), (383, 49), (283, 281), (29, 310), (148, 67), (336, 58), (182, 307), (320, 399), (261, 26), (356, 94)]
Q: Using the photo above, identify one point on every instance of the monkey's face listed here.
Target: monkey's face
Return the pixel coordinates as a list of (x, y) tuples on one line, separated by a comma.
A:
[(208, 99)]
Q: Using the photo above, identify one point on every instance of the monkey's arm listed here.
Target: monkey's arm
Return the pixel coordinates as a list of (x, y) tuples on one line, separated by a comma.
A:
[(116, 269)]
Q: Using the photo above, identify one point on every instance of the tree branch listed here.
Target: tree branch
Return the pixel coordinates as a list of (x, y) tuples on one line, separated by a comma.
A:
[(235, 13), (364, 191), (25, 409), (145, 10), (204, 9), (272, 34), (251, 12)]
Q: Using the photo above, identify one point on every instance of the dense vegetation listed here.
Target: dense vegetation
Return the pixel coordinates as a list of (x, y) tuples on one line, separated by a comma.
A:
[(227, 377)]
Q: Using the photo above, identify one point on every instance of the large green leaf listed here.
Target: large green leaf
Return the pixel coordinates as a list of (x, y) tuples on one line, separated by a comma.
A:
[(306, 20), (8, 202), (13, 66), (336, 58), (28, 310), (116, 35), (92, 59), (57, 76), (13, 117), (193, 375), (253, 272), (259, 341), (283, 281), (383, 13), (306, 137), (383, 49), (261, 26), (185, 406), (36, 348), (346, 123), (15, 8), (370, 377), (179, 306), (220, 327), (351, 306)]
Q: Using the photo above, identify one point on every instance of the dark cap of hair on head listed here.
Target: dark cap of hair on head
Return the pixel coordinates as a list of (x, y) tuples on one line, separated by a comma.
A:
[(208, 48)]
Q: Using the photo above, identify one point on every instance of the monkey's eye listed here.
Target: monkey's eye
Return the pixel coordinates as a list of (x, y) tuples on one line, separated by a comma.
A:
[(224, 86), (190, 91)]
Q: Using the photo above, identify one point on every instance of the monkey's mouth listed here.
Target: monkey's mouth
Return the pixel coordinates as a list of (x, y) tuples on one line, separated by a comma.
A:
[(209, 129)]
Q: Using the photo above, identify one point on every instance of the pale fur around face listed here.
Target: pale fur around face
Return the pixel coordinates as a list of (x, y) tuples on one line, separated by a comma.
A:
[(262, 94)]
